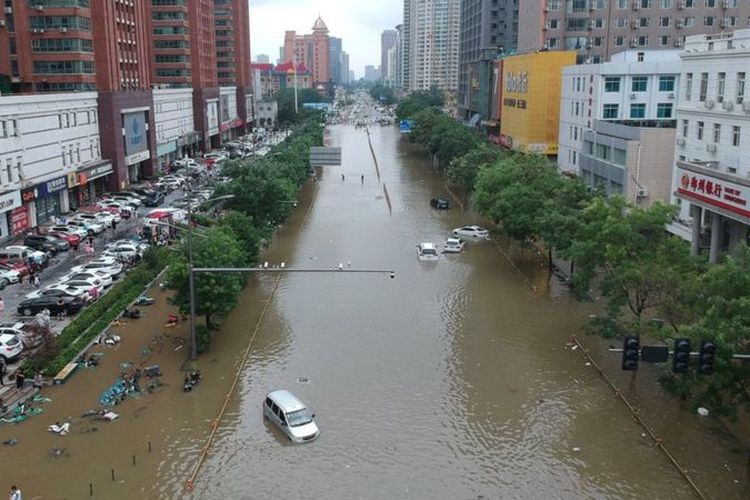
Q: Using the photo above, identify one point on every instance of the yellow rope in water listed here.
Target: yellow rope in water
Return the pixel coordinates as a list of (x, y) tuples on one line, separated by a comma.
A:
[(243, 362), (640, 420)]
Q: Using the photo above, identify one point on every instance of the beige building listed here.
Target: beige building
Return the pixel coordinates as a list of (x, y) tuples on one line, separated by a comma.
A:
[(596, 29), (311, 50)]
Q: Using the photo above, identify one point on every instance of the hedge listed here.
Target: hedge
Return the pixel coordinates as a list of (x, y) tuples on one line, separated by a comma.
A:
[(94, 319)]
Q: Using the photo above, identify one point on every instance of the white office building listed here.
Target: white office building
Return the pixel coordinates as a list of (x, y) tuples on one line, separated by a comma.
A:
[(175, 129), (711, 179), (229, 118), (617, 123), (49, 156)]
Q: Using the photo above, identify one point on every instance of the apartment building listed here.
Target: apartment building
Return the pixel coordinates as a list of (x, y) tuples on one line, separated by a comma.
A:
[(711, 180), (489, 28), (232, 23), (312, 50), (175, 129), (388, 40), (596, 29)]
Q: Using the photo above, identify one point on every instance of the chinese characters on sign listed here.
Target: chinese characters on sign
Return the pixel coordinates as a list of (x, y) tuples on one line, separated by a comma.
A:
[(724, 194), (514, 103), (517, 82)]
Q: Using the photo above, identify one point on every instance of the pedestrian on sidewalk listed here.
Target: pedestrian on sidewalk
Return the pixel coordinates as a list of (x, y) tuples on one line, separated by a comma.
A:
[(32, 275), (91, 240), (35, 280), (114, 228), (343, 177), (20, 379), (60, 308), (362, 178), (15, 493), (3, 370), (2, 306), (38, 381)]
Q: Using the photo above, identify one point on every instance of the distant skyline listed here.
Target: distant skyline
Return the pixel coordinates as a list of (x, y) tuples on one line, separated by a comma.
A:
[(359, 24)]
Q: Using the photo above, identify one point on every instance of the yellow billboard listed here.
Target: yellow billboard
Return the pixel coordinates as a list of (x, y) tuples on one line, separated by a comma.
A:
[(531, 100)]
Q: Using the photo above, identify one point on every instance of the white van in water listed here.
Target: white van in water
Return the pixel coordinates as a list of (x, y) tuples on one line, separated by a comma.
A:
[(291, 416)]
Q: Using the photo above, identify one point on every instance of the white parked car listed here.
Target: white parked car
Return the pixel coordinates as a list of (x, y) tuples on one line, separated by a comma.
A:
[(107, 265), (473, 232), (84, 285), (134, 202), (107, 218), (124, 249), (73, 229), (427, 252), (10, 346), (54, 291), (454, 245), (291, 416), (102, 276), (8, 276), (95, 224)]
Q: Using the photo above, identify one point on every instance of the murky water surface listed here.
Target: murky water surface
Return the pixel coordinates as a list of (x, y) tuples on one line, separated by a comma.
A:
[(452, 380)]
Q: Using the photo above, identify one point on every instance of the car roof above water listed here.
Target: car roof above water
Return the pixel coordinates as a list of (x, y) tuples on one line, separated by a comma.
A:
[(286, 400)]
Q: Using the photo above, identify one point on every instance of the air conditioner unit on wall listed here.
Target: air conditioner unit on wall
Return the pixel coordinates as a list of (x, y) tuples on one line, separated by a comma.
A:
[(746, 106), (711, 148), (680, 141), (709, 104), (727, 105), (642, 192)]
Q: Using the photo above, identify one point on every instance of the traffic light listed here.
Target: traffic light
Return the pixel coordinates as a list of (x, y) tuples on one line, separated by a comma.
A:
[(706, 357), (681, 356), (631, 347)]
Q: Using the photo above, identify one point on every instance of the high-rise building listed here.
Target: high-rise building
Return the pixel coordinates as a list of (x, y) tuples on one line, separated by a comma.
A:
[(312, 50), (388, 39), (334, 59), (372, 74), (406, 43), (488, 28), (398, 72), (596, 29), (345, 77), (262, 59), (432, 39)]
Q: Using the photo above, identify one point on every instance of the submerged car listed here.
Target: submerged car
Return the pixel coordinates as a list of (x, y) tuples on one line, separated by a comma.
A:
[(473, 232), (440, 203), (427, 252), (454, 245), (291, 416)]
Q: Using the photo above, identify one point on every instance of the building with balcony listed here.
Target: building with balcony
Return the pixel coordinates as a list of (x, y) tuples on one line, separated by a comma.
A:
[(489, 28), (711, 177), (50, 157), (617, 122), (431, 38), (232, 27), (597, 29)]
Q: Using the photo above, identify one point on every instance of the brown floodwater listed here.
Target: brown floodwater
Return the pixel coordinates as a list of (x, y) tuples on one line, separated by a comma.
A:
[(452, 380)]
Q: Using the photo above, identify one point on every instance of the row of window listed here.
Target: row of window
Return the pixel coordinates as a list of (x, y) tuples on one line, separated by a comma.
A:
[(572, 6), (584, 24), (639, 83), (60, 3), (735, 133), (9, 128), (611, 111), (57, 22), (62, 45), (63, 67), (719, 85), (10, 170)]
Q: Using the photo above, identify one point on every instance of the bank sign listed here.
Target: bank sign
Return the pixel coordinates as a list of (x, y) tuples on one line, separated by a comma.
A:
[(712, 191), (136, 135)]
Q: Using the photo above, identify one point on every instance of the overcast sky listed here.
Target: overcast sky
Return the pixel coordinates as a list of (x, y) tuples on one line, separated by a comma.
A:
[(358, 23)]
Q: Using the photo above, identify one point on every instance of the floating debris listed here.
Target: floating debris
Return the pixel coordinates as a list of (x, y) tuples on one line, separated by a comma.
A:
[(10, 442), (303, 380)]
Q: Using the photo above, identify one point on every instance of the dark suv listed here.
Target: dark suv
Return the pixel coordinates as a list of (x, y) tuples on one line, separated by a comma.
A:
[(46, 243), (440, 203)]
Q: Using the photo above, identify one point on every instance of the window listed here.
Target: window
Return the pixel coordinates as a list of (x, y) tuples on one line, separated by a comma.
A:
[(708, 21), (710, 3), (645, 4), (688, 86), (685, 127), (637, 111), (622, 4), (664, 40), (610, 111), (666, 84), (621, 22), (639, 84), (704, 87), (553, 4), (740, 87), (689, 4), (642, 42), (664, 110), (717, 133), (643, 22), (599, 23), (664, 22), (554, 24), (735, 135), (619, 41), (699, 131), (721, 87), (665, 4), (612, 84), (553, 43)]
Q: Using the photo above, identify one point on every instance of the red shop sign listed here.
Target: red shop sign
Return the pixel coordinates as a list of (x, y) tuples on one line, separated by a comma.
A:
[(19, 220)]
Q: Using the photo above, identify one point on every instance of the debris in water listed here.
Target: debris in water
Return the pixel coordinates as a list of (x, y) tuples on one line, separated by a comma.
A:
[(587, 364), (703, 412), (11, 442), (58, 453), (574, 347), (303, 380), (576, 448)]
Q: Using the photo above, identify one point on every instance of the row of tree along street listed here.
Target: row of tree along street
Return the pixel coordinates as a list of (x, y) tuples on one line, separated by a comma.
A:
[(264, 191), (654, 288)]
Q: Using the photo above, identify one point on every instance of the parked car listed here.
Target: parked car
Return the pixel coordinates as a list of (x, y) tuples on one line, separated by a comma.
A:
[(154, 199), (107, 218), (58, 290), (108, 265), (123, 209), (291, 416), (83, 225), (46, 243), (10, 346), (123, 250), (473, 232), (70, 305), (84, 284), (18, 265), (73, 229), (133, 202), (427, 252), (97, 224), (72, 239), (7, 277), (102, 276), (454, 245), (440, 203), (26, 252)]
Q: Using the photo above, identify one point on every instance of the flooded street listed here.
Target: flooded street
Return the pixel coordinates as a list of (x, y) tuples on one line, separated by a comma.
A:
[(451, 380)]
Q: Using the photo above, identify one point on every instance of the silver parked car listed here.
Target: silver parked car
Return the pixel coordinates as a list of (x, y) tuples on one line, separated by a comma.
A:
[(290, 415)]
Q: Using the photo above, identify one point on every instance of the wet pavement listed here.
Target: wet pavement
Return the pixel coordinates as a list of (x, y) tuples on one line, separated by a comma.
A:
[(452, 380)]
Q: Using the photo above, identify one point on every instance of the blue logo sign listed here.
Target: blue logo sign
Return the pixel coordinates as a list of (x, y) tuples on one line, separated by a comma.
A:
[(405, 126)]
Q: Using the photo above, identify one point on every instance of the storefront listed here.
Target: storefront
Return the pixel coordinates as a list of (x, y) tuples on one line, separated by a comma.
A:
[(88, 184), (166, 153), (51, 199), (137, 153), (8, 203)]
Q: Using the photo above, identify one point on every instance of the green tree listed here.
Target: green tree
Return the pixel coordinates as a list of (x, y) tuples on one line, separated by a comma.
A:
[(248, 236), (285, 99), (216, 294), (463, 169), (382, 94)]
